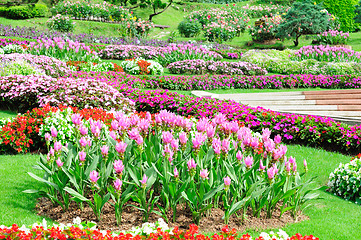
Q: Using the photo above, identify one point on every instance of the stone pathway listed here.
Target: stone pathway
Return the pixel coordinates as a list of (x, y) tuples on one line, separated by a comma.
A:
[(342, 105)]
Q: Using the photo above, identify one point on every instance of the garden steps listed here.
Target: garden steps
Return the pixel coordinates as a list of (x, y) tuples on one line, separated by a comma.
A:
[(342, 105)]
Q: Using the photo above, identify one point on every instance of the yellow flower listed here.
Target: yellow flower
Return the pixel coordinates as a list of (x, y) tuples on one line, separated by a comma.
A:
[(314, 3)]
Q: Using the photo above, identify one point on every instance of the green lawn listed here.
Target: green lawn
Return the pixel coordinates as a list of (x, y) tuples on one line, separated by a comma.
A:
[(7, 114)]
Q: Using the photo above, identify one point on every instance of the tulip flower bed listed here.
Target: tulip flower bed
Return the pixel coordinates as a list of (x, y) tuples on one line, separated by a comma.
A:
[(326, 54), (38, 64), (229, 53), (64, 50), (164, 55), (154, 164), (26, 92), (280, 62), (333, 37), (31, 33), (89, 231), (200, 66), (7, 41)]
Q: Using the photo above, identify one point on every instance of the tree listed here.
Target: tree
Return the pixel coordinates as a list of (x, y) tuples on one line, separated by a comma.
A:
[(344, 10), (303, 18)]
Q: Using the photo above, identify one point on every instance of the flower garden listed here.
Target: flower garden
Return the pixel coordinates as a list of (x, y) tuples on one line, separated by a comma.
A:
[(101, 138)]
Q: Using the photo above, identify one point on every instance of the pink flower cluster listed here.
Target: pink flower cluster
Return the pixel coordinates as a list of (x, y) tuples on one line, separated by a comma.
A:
[(199, 66), (82, 93), (326, 54), (50, 66)]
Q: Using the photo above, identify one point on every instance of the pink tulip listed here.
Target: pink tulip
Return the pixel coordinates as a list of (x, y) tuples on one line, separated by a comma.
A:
[(204, 174), (227, 181), (183, 138), (176, 173), (59, 163), (191, 164), (248, 161), (47, 137), (167, 137), (54, 132), (144, 181), (105, 150), (57, 146), (82, 156), (94, 176), (118, 166), (118, 184)]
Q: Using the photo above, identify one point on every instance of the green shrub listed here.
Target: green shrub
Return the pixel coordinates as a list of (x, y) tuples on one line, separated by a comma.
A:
[(19, 12), (344, 10), (3, 11), (189, 28), (40, 10)]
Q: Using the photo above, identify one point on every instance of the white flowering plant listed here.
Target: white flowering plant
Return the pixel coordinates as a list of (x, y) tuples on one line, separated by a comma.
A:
[(345, 181), (13, 48)]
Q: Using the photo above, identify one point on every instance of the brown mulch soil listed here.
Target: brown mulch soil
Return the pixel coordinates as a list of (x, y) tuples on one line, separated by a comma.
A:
[(131, 217)]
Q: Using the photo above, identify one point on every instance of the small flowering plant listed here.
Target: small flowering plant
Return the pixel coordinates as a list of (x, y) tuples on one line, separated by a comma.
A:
[(61, 23), (345, 180)]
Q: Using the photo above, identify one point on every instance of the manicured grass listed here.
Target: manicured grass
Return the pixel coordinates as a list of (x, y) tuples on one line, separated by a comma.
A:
[(16, 206), (7, 114)]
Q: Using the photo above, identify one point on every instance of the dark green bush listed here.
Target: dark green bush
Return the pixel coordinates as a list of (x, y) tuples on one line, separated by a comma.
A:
[(3, 11), (19, 12), (39, 10), (189, 28)]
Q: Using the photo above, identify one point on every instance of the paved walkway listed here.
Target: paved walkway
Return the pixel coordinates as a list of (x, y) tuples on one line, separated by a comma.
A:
[(342, 105)]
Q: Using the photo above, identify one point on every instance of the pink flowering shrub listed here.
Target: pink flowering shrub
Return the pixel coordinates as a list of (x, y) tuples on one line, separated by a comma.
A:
[(265, 29), (27, 92), (215, 67), (47, 65), (257, 11)]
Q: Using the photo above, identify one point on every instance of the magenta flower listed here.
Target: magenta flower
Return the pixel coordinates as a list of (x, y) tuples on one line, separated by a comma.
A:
[(59, 163), (82, 156), (198, 140), (248, 161), (118, 184), (278, 139), (57, 146), (76, 119), (305, 164), (94, 176), (288, 167), (183, 138), (47, 137), (175, 145), (83, 130), (167, 137), (113, 135), (176, 173), (225, 145), (51, 152), (227, 181), (261, 167), (239, 156), (54, 132), (217, 145), (204, 174), (144, 181), (120, 147), (271, 173), (139, 140), (118, 166), (105, 150), (83, 142), (115, 125), (191, 164), (210, 131)]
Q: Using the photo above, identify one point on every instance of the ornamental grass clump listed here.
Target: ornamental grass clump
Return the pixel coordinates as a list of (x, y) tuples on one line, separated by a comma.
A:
[(156, 162), (345, 180)]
